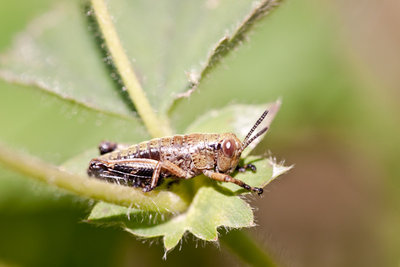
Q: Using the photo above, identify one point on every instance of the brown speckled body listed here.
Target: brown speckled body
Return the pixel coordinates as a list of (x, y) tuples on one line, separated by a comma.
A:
[(180, 156), (192, 152)]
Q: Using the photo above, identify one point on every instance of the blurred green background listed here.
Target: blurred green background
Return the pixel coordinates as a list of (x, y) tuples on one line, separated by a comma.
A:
[(336, 65)]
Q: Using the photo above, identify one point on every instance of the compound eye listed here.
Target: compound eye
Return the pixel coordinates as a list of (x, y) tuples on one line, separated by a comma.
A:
[(228, 147)]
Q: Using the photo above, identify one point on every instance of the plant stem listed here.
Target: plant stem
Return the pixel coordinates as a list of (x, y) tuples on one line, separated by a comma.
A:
[(161, 201), (245, 247), (155, 126)]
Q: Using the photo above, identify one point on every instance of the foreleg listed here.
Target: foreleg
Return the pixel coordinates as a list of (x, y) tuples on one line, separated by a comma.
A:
[(222, 177), (246, 167)]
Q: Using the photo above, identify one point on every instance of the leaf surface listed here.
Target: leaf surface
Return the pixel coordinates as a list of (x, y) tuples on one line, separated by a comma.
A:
[(58, 53), (172, 43), (166, 42)]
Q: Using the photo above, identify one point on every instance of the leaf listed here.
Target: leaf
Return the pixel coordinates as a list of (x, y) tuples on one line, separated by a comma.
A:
[(201, 219), (289, 56), (45, 56), (230, 41), (69, 103), (214, 204), (169, 59), (55, 128)]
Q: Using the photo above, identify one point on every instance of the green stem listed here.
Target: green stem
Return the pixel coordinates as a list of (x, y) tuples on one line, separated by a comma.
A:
[(161, 201), (155, 126), (245, 247)]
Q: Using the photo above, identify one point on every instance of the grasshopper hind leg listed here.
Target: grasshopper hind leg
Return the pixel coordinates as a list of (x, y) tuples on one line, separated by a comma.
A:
[(168, 166)]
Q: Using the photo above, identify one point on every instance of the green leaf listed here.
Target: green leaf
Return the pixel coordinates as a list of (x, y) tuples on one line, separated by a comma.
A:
[(214, 204), (54, 128), (230, 41), (182, 34), (45, 56), (289, 56), (168, 60)]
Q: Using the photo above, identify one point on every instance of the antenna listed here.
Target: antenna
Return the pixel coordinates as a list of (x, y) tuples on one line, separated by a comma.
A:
[(246, 140)]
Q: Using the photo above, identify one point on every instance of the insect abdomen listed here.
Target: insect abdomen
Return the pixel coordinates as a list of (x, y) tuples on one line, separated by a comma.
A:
[(146, 150), (183, 150)]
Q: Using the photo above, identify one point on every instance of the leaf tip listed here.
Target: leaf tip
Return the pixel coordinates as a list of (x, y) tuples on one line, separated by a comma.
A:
[(278, 168)]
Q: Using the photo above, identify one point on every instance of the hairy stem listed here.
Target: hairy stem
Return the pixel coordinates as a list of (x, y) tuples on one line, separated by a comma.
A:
[(246, 248), (161, 201), (155, 126)]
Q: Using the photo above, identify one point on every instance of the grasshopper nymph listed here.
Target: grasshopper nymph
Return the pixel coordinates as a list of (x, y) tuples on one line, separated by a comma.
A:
[(180, 156)]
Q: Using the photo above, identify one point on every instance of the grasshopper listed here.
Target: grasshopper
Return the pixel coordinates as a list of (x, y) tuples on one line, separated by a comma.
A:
[(180, 156)]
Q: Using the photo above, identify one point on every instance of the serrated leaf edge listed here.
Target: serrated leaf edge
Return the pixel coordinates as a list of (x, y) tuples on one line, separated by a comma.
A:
[(225, 45)]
